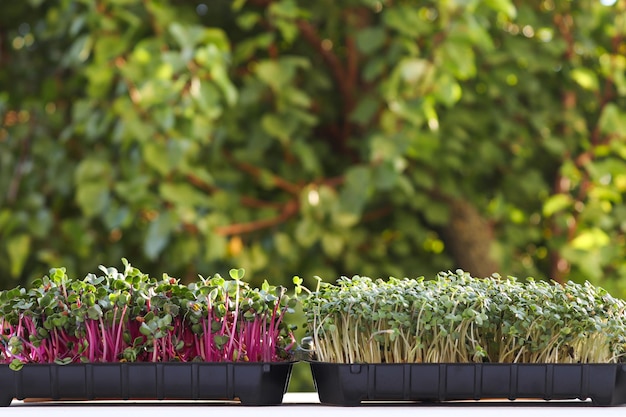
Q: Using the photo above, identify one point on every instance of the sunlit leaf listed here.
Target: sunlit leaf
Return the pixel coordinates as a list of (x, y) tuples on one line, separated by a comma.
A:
[(585, 78), (556, 203), (590, 239)]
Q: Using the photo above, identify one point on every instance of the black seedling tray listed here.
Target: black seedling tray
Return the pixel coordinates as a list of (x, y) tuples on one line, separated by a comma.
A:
[(251, 383), (349, 384)]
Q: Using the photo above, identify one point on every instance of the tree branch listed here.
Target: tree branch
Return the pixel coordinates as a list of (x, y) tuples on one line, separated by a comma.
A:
[(310, 34), (257, 172), (332, 182), (288, 211), (345, 76), (565, 22), (244, 199)]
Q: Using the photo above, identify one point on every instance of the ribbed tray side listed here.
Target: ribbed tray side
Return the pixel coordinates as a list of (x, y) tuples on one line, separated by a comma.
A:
[(251, 383), (348, 385)]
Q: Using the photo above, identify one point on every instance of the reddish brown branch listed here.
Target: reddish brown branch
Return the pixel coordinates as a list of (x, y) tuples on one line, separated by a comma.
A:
[(310, 34), (351, 74), (565, 22), (257, 172), (377, 214), (333, 181), (256, 203), (245, 200), (345, 76), (289, 210), (200, 183), (350, 80)]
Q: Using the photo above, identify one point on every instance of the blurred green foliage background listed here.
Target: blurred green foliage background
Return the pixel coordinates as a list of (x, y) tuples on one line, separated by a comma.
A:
[(373, 137)]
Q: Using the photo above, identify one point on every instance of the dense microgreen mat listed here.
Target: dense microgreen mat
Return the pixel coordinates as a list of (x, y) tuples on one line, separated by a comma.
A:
[(457, 318), (129, 316)]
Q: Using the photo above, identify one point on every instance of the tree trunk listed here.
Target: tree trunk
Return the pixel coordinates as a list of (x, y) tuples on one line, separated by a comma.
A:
[(468, 239)]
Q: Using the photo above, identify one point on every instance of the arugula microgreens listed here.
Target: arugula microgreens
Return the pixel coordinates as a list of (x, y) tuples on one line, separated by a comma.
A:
[(129, 316), (457, 318)]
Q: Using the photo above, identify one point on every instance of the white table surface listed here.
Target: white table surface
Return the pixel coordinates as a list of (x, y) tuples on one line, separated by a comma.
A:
[(307, 405)]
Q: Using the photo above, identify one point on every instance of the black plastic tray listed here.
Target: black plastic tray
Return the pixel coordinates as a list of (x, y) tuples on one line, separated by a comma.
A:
[(349, 384), (251, 383)]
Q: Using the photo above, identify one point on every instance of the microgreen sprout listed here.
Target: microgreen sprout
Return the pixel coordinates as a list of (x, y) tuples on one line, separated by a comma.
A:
[(128, 316), (457, 318)]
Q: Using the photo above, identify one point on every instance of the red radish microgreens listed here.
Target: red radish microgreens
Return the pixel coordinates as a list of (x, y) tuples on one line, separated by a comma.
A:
[(128, 316)]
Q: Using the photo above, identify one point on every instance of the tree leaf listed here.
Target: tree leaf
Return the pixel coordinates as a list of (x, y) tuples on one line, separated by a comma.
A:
[(590, 239), (612, 119), (556, 203), (586, 78), (370, 39), (158, 236), (365, 111), (183, 194), (18, 248), (505, 6), (278, 127), (355, 192), (307, 232), (332, 244), (93, 198)]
